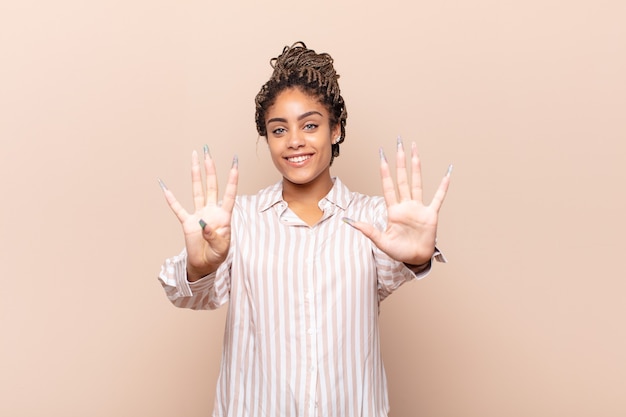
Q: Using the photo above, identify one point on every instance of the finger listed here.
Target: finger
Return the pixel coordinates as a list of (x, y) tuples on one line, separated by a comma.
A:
[(367, 229), (230, 195), (416, 174), (216, 242), (196, 182), (401, 177), (441, 192), (175, 206), (211, 177), (389, 191), (207, 232)]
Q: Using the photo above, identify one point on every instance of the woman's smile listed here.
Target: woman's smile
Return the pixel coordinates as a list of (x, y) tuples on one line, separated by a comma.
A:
[(298, 159)]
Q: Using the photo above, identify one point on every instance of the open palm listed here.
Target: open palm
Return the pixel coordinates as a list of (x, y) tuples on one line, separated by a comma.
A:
[(207, 228), (411, 225)]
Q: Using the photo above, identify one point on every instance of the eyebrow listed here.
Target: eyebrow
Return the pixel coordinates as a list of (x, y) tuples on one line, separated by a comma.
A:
[(302, 116)]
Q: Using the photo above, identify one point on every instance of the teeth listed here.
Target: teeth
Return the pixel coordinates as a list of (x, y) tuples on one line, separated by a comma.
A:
[(297, 159)]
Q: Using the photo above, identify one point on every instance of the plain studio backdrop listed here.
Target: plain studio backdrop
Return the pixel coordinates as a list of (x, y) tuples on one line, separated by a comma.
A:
[(526, 98)]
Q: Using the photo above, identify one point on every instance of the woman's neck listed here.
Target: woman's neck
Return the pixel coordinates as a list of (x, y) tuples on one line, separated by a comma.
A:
[(306, 194)]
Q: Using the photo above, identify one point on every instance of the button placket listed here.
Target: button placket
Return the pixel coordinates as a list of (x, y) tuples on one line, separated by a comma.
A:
[(311, 331)]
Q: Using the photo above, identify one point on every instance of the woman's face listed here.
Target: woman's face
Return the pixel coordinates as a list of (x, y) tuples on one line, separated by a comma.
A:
[(300, 138)]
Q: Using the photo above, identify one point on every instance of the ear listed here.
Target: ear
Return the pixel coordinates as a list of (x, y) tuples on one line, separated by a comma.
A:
[(335, 134)]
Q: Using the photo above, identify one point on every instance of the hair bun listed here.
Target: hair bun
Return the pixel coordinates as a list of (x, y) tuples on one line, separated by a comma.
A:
[(302, 61)]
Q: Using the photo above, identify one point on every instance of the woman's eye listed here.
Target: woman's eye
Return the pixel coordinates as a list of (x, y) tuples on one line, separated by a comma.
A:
[(310, 126), (278, 131)]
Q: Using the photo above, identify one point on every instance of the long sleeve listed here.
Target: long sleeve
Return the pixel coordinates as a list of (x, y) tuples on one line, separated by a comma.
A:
[(205, 294)]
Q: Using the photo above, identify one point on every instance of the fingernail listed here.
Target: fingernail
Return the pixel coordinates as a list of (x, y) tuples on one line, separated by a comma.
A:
[(207, 154), (348, 220), (449, 170), (382, 154), (399, 143), (162, 184), (202, 224), (235, 162)]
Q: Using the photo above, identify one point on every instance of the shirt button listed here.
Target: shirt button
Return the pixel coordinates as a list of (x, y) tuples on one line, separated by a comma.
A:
[(311, 331), (308, 295), (313, 368)]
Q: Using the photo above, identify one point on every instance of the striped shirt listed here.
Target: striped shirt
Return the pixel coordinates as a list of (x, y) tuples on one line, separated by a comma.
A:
[(302, 335)]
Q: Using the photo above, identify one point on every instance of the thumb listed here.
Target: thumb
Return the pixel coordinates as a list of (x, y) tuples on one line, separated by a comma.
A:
[(367, 229), (207, 232)]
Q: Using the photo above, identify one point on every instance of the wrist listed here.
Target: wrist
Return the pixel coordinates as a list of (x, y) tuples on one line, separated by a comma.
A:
[(421, 260), (194, 274)]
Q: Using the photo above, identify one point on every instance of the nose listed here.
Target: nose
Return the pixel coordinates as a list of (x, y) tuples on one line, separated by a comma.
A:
[(295, 139)]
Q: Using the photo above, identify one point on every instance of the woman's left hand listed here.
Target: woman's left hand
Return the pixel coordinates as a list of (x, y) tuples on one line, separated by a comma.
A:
[(411, 226)]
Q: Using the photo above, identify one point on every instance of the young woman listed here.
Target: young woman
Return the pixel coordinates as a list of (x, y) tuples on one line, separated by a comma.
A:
[(305, 263)]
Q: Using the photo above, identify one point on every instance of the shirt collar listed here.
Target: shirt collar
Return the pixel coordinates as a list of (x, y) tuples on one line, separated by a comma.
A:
[(339, 195)]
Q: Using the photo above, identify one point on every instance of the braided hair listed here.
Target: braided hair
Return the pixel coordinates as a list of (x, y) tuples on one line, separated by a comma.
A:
[(313, 74)]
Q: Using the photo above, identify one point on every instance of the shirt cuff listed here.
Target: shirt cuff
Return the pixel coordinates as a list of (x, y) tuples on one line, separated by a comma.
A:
[(174, 274)]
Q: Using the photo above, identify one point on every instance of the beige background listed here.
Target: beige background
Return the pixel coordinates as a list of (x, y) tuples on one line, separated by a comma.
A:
[(526, 98)]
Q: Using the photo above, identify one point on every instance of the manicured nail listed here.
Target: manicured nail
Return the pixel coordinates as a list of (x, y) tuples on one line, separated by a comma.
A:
[(382, 154), (202, 224), (162, 184), (399, 143), (449, 171), (235, 162), (348, 220), (207, 154)]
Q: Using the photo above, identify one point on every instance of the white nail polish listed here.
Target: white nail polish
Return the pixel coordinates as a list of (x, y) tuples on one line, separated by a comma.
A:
[(399, 143), (162, 184)]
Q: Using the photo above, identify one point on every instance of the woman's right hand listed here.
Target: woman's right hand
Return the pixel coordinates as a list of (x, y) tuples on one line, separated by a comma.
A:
[(207, 229)]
